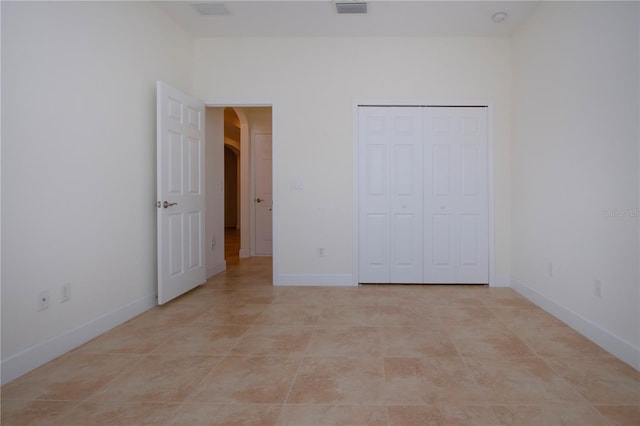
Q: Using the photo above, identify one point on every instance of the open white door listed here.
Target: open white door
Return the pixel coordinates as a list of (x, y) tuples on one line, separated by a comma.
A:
[(181, 197)]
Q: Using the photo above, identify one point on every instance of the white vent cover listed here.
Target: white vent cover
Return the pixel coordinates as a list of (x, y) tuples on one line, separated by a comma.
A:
[(351, 7), (211, 8)]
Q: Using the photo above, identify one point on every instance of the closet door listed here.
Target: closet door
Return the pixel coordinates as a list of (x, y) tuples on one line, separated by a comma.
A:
[(390, 195), (456, 245)]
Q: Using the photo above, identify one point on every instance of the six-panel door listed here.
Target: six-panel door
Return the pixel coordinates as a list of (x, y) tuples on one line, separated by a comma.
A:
[(456, 244), (180, 190), (390, 176)]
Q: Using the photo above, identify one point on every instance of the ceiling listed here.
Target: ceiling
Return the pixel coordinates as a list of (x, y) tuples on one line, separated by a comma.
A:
[(315, 18)]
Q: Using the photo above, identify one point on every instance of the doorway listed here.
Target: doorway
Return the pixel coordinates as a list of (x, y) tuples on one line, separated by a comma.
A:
[(241, 125), (232, 236)]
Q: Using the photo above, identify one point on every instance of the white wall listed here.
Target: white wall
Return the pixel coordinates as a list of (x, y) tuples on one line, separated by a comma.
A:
[(315, 83), (78, 167), (575, 167)]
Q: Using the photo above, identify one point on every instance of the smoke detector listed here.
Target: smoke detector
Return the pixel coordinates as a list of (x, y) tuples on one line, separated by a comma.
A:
[(211, 8), (499, 16), (351, 7)]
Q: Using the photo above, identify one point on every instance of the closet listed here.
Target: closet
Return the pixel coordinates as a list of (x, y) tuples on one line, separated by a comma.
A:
[(423, 195)]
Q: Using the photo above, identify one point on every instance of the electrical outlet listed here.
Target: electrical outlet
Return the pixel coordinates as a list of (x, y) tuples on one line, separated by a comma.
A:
[(550, 270), (43, 300), (213, 243), (597, 288), (321, 251), (65, 293)]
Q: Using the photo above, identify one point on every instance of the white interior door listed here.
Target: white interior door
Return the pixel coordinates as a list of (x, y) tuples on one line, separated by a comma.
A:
[(406, 195), (390, 195), (263, 201), (456, 195), (180, 189), (373, 195)]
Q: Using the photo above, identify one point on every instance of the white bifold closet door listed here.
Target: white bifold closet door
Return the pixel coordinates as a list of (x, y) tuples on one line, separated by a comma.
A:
[(390, 195), (456, 225), (423, 202)]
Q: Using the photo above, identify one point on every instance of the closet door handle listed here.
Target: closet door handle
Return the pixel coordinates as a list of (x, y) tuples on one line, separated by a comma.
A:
[(167, 204)]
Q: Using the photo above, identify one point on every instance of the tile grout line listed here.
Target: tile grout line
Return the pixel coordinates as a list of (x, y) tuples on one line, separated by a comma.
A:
[(544, 361), (466, 366)]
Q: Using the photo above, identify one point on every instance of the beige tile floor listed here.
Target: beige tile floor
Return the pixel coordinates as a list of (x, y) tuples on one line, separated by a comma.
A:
[(239, 351)]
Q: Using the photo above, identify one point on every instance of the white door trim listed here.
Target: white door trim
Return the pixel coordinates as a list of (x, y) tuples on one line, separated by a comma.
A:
[(261, 102), (491, 183)]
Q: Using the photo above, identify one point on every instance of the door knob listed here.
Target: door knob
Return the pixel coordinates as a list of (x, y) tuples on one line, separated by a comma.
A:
[(259, 200), (168, 204)]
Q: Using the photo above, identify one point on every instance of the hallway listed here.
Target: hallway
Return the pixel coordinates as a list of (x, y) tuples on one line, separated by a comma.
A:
[(232, 246)]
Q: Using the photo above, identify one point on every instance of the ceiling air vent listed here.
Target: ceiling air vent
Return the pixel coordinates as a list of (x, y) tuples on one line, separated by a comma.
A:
[(211, 8), (351, 7)]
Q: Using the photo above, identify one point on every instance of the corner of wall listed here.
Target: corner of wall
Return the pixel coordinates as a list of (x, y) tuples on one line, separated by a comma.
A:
[(600, 336)]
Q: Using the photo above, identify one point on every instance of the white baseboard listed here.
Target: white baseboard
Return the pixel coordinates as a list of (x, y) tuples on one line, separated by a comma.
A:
[(216, 269), (314, 279), (500, 280), (604, 338), (41, 353), (244, 253)]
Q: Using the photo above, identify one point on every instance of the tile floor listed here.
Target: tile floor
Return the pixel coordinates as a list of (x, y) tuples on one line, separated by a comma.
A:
[(239, 351)]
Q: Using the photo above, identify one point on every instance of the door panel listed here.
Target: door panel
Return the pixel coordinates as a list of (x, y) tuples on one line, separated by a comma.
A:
[(194, 148), (468, 240), (390, 196), (376, 170), (174, 163), (406, 196), (373, 178), (440, 238), (469, 169), (195, 240), (180, 182), (176, 266), (376, 236), (459, 161), (404, 231), (263, 212), (440, 167)]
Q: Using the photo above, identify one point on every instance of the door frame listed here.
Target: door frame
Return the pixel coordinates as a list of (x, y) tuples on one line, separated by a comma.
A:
[(490, 165), (259, 102)]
